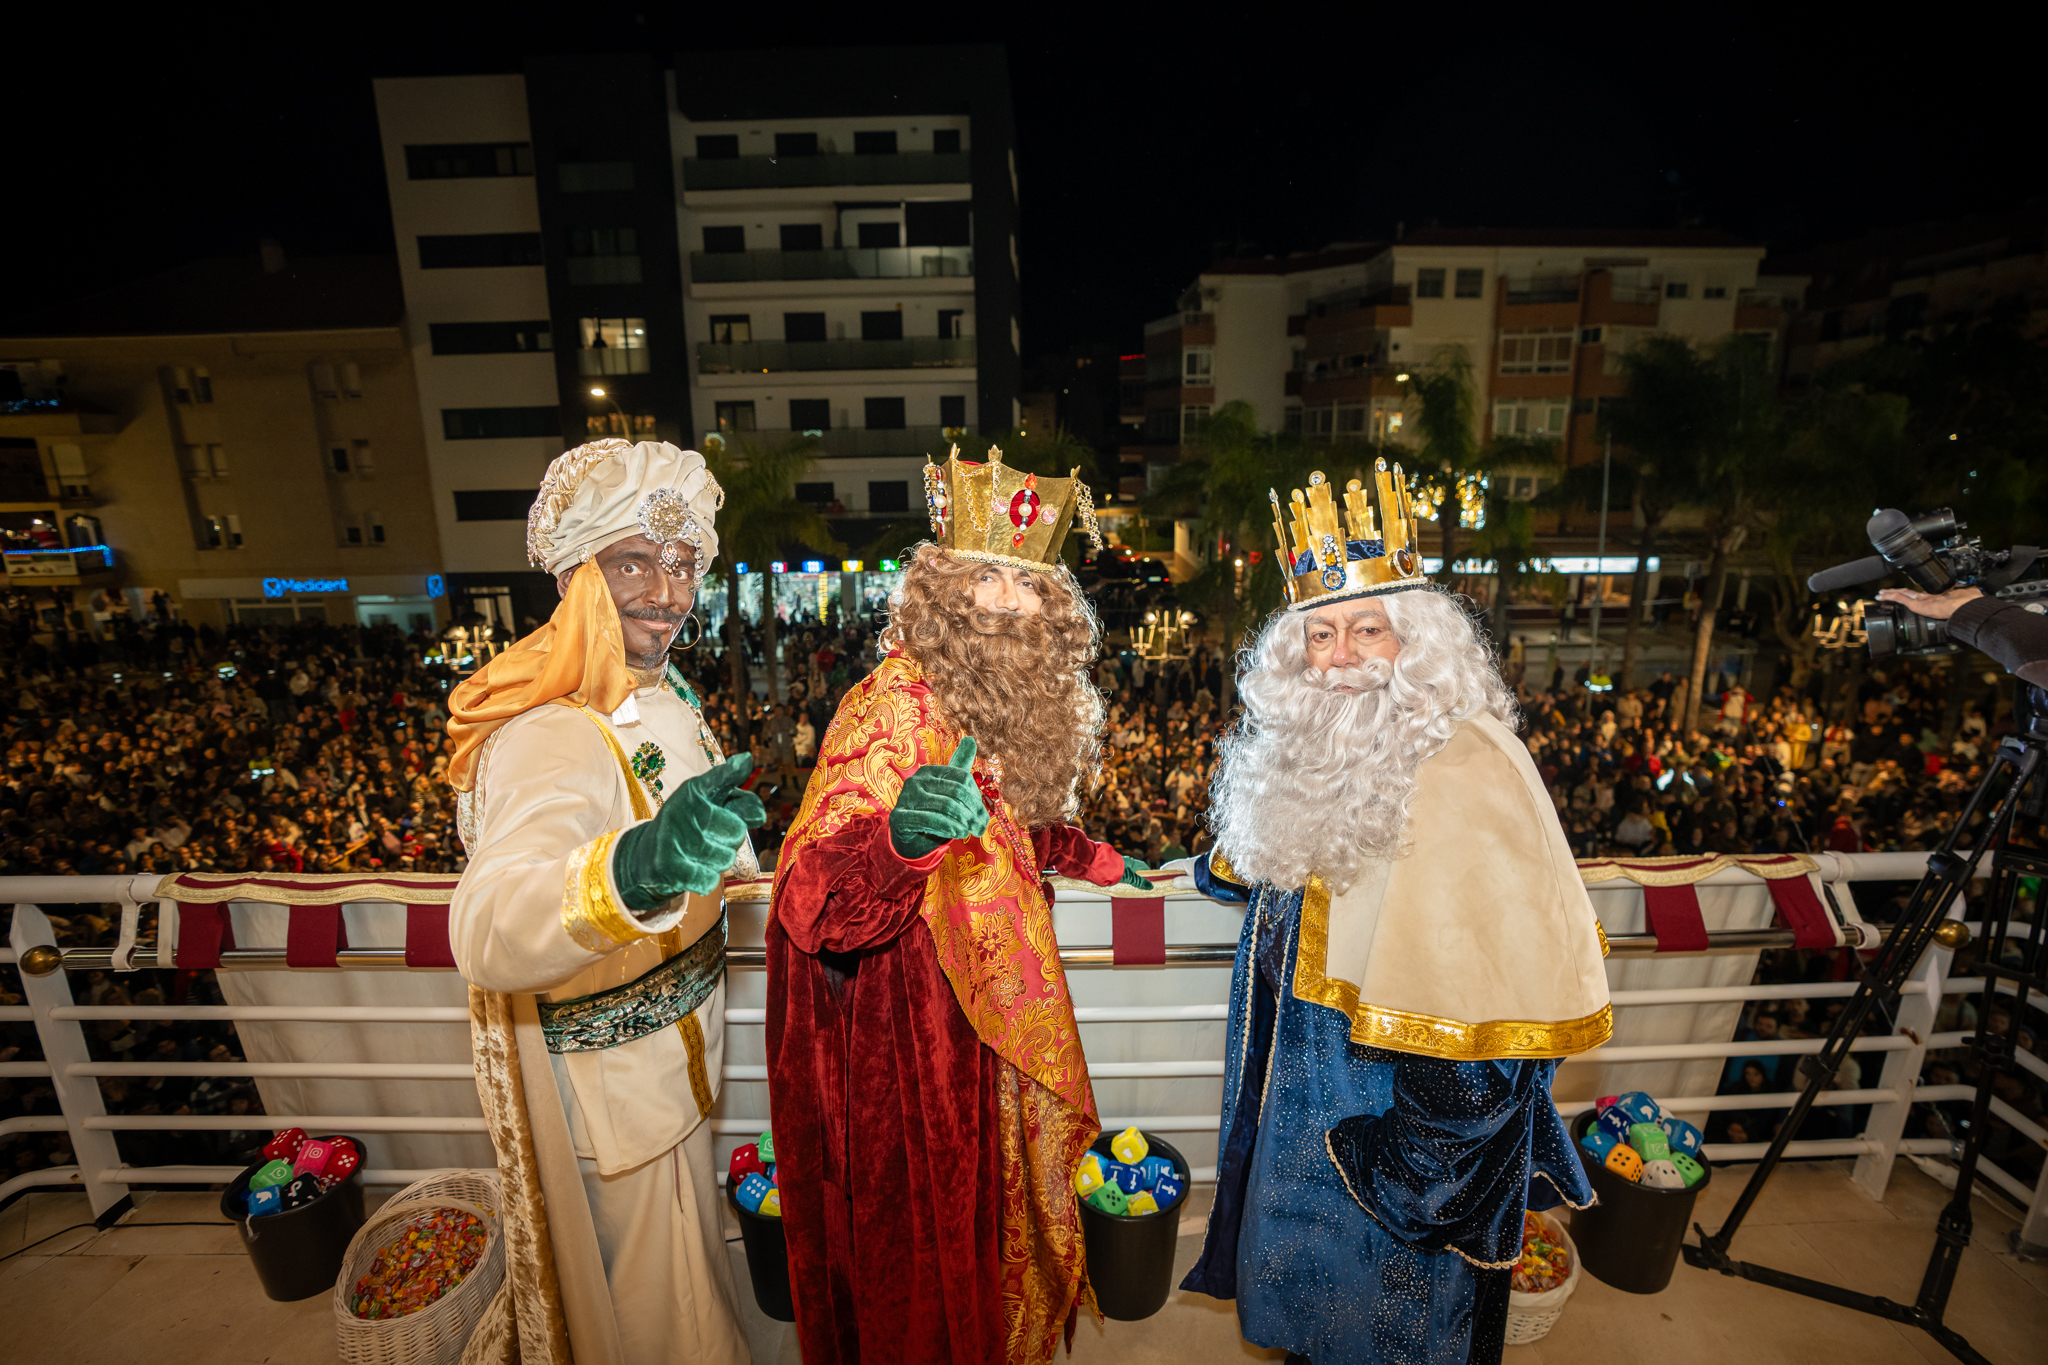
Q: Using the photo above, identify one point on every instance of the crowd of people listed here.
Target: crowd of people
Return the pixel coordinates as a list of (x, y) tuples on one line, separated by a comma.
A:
[(320, 748)]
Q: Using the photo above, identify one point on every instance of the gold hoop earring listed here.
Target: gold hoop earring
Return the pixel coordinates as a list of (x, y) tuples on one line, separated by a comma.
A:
[(691, 620)]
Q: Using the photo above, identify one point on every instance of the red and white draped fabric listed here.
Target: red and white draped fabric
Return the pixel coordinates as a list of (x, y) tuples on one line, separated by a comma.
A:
[(311, 916)]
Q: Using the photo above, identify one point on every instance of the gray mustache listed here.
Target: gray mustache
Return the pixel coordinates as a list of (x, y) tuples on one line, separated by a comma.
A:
[(672, 618)]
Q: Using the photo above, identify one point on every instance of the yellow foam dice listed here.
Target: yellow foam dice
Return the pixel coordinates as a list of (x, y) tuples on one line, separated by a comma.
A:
[(1129, 1146), (1141, 1202), (1625, 1162), (1088, 1175), (771, 1204)]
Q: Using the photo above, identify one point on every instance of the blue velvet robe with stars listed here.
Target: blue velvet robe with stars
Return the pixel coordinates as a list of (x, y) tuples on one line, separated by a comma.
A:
[(1368, 1203)]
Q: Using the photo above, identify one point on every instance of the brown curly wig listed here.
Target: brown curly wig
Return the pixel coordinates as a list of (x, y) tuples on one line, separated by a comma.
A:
[(1019, 684)]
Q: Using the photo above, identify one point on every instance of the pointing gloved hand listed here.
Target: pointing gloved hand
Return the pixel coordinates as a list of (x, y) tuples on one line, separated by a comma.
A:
[(939, 804), (691, 840), (1134, 874)]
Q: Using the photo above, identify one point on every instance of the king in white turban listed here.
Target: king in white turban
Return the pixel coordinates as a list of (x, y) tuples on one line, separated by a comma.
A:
[(601, 821)]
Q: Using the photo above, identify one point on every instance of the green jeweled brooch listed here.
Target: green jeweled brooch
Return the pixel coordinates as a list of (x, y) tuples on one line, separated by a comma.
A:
[(648, 761)]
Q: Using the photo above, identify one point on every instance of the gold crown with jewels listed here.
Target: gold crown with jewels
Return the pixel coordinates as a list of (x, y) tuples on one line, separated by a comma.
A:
[(1354, 553), (1001, 515)]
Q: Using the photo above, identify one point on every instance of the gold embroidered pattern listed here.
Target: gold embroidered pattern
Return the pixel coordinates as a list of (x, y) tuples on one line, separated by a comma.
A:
[(700, 1078), (1220, 868), (634, 791), (1683, 869), (1405, 1031), (590, 916)]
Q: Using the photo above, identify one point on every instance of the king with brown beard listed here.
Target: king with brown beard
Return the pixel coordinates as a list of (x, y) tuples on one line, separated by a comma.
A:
[(928, 1089)]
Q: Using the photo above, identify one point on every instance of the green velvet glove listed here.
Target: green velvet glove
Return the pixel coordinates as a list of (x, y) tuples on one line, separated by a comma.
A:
[(1133, 870), (691, 840), (939, 804)]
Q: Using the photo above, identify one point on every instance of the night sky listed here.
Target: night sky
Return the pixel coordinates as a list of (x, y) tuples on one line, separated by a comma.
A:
[(1148, 146)]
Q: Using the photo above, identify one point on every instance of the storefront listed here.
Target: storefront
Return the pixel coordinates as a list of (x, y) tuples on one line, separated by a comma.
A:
[(807, 591), (408, 601)]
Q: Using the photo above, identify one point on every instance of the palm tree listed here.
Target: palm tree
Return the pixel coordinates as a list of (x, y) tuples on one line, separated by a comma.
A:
[(761, 516), (1507, 531), (1449, 452)]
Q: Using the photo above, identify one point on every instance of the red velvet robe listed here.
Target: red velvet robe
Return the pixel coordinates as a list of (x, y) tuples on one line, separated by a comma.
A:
[(900, 1150)]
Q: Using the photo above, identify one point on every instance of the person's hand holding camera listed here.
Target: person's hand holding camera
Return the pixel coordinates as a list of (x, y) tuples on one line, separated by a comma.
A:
[(1935, 606)]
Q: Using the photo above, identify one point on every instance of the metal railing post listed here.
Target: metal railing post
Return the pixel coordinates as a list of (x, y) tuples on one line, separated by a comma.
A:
[(63, 1046), (1901, 1074)]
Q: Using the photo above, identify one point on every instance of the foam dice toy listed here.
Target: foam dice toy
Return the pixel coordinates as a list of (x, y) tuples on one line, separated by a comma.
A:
[(745, 1161), (270, 1174), (1088, 1177), (302, 1190), (347, 1156), (1604, 1102), (1689, 1169), (1109, 1198), (1129, 1146), (1153, 1167), (1614, 1122), (771, 1204), (1624, 1162), (772, 1177), (1169, 1190), (752, 1191), (265, 1201), (1650, 1141), (1141, 1202), (1129, 1179), (1662, 1175), (1599, 1143), (1683, 1137), (1639, 1107), (765, 1144), (285, 1146), (313, 1157)]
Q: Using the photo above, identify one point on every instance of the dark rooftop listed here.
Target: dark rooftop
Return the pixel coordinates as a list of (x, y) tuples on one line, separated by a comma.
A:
[(219, 297), (1571, 237)]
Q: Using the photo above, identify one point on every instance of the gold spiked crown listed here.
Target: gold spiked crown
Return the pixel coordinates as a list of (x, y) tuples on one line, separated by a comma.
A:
[(1352, 554), (1000, 515)]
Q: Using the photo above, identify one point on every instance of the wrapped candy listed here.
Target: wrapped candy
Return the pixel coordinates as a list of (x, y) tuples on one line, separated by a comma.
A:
[(1544, 1263), (430, 1256)]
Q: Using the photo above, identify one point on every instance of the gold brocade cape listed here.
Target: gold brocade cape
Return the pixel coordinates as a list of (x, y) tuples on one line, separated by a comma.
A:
[(1479, 940), (992, 928)]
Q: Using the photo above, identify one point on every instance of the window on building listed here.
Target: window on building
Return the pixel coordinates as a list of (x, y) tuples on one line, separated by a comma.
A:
[(1162, 424), (604, 255), (873, 235), (373, 527), (479, 250), (489, 338), (1318, 421), (1471, 282), (364, 459), (950, 321), (884, 414), (217, 460), (1547, 352), (612, 346), (725, 239), (202, 385), (351, 376), (1429, 283), (190, 385), (338, 460), (953, 411), (1351, 421), (803, 326), (639, 426), (728, 329), (735, 417), (882, 325), (796, 144), (1197, 366), (493, 424), (1194, 420), (1676, 289), (468, 160), (818, 495), (234, 531), (1589, 336), (945, 140), (811, 416), (803, 236), (875, 144), (493, 504), (1538, 417), (222, 532), (326, 384), (1714, 291), (1290, 420), (718, 146), (594, 177), (938, 222), (889, 495), (351, 533)]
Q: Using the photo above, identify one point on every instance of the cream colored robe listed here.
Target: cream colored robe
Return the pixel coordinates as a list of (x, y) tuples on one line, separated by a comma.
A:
[(621, 1153)]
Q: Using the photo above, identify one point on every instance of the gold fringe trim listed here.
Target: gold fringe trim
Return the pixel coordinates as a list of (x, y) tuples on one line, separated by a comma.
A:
[(700, 1079), (597, 923), (1669, 870), (318, 888), (1428, 1034)]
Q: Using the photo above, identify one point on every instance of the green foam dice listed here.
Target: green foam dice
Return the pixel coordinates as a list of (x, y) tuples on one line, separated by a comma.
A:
[(1110, 1198), (767, 1148), (1689, 1169), (1650, 1140)]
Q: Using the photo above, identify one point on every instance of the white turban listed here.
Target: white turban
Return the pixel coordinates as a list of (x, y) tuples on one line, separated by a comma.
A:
[(600, 493)]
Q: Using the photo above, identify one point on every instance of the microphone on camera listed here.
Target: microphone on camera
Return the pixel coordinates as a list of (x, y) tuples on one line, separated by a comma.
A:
[(1848, 575)]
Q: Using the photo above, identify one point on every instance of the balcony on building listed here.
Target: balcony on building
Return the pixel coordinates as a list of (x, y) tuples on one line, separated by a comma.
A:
[(825, 168), (69, 567), (906, 353), (835, 263), (875, 442), (1358, 309), (1539, 301), (1623, 298)]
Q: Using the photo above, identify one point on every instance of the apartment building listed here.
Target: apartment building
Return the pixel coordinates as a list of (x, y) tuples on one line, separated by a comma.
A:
[(240, 435), (1325, 342), (728, 246)]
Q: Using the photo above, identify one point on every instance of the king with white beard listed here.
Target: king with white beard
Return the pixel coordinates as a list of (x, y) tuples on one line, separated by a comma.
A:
[(1418, 953)]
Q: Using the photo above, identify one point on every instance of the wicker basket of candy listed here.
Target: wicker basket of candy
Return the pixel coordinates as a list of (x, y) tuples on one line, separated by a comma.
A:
[(421, 1273), (1542, 1280)]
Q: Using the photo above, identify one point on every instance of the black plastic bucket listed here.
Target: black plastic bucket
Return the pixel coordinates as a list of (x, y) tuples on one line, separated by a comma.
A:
[(298, 1253), (767, 1258), (1631, 1239), (1130, 1260)]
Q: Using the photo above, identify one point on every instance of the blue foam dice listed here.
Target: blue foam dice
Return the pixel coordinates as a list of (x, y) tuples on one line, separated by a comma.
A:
[(1169, 1190), (752, 1191), (1614, 1122), (265, 1201), (1153, 1167), (771, 1176), (1599, 1143), (1684, 1138), (1129, 1179), (1639, 1107)]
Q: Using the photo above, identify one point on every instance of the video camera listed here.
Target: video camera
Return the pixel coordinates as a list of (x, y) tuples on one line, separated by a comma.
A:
[(1906, 545)]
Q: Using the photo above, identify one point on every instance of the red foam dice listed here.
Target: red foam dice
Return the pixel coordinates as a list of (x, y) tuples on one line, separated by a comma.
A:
[(341, 1163), (313, 1157), (285, 1146), (746, 1161)]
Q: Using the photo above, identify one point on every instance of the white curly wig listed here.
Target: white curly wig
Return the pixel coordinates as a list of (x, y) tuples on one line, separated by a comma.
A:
[(1317, 778)]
